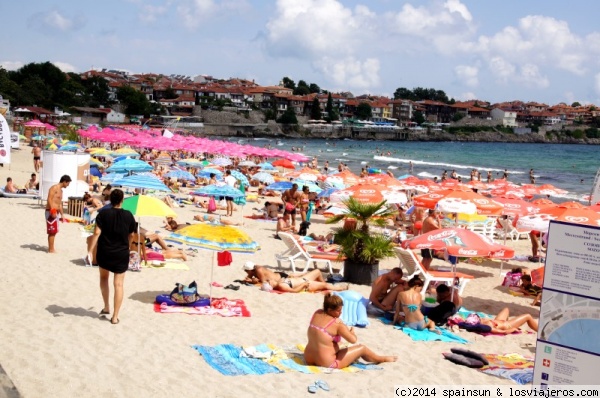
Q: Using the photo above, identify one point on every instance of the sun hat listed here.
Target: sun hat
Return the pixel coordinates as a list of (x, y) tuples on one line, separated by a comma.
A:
[(248, 266)]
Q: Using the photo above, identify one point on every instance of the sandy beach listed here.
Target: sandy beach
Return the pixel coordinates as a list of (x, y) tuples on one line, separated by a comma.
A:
[(53, 343)]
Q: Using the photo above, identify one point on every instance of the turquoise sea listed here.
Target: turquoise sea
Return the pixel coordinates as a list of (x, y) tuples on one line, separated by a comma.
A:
[(562, 165)]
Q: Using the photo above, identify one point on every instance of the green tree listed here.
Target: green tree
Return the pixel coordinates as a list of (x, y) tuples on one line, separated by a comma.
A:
[(458, 116), (97, 91), (288, 117), (575, 104), (364, 111), (288, 83), (135, 101), (315, 109), (8, 88), (314, 88), (302, 88), (418, 118), (403, 93), (170, 93), (332, 113), (36, 92)]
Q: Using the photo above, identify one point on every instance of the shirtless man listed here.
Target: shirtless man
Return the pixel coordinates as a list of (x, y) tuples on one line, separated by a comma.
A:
[(10, 187), (37, 157), (32, 183), (283, 224), (54, 201), (382, 296), (430, 223), (311, 281)]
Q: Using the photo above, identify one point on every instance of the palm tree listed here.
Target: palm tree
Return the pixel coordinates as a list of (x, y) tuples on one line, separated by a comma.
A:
[(358, 244)]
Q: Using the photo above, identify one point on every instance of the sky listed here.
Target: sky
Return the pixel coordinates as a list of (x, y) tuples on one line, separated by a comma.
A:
[(545, 51)]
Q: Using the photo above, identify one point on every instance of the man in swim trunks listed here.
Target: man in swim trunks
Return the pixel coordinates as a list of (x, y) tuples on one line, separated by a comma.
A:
[(311, 281), (37, 157), (383, 296), (54, 202), (290, 198)]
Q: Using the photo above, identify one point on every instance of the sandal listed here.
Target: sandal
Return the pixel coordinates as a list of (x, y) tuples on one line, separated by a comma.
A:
[(232, 287), (112, 320), (104, 312)]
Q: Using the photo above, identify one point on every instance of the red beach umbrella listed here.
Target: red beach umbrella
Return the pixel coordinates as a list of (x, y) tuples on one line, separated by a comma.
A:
[(286, 164)]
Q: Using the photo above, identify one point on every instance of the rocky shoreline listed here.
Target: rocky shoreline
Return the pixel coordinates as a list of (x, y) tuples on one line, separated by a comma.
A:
[(231, 124)]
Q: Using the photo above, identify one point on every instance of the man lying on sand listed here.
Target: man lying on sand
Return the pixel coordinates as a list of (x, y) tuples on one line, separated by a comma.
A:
[(311, 281)]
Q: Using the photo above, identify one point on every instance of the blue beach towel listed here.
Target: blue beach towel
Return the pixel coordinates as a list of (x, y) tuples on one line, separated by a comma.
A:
[(226, 359), (426, 335)]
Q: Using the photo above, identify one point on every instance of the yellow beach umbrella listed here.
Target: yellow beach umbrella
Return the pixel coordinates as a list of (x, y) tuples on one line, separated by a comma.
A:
[(143, 205)]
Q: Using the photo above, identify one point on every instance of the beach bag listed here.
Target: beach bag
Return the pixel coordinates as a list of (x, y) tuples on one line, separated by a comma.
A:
[(183, 294), (512, 279), (52, 225), (473, 319), (135, 263), (212, 205)]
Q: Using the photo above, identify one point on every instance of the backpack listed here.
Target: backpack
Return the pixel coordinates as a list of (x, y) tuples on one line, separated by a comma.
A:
[(183, 294), (212, 205)]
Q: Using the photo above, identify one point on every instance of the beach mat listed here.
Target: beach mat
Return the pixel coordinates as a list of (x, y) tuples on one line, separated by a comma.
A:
[(221, 306), (425, 335), (513, 367), (231, 360)]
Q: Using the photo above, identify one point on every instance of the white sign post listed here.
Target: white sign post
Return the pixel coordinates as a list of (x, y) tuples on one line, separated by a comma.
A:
[(568, 343), (4, 141)]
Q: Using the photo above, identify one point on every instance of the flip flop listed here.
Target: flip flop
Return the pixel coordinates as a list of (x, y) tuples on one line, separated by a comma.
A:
[(114, 323), (104, 312), (232, 287), (322, 384), (216, 284), (312, 389)]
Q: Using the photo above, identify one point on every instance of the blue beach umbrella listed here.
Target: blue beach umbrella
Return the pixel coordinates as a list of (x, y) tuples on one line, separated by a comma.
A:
[(95, 172), (279, 186), (267, 166), (181, 175), (111, 177), (240, 177), (218, 190), (208, 172), (141, 181), (129, 164), (310, 184), (265, 178), (327, 192)]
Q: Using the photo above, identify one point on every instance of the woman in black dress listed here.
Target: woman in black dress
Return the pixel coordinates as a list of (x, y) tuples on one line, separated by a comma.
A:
[(113, 233)]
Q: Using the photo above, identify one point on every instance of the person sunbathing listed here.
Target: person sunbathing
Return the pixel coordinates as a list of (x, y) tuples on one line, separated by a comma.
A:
[(503, 324), (138, 245), (311, 281), (325, 332), (269, 212), (410, 302), (527, 287), (385, 289), (210, 219)]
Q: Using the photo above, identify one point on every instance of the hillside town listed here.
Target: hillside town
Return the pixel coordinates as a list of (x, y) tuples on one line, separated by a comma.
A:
[(183, 96)]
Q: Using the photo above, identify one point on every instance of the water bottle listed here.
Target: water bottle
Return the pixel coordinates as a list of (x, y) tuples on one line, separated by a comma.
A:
[(86, 216)]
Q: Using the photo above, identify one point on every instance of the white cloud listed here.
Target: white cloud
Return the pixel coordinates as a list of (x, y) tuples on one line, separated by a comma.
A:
[(502, 69), (530, 75), (65, 67), (468, 96), (55, 21), (150, 13), (445, 25), (597, 83), (194, 13), (11, 65), (350, 72), (467, 74)]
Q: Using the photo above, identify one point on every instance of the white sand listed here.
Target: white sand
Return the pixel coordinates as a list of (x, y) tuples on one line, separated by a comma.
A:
[(52, 342)]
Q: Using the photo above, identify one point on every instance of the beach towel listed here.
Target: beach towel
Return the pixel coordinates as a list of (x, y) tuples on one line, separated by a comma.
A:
[(220, 306), (232, 360), (167, 264), (426, 335), (461, 316), (513, 367)]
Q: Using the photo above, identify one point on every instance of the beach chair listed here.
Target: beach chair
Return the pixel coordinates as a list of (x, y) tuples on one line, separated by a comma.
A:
[(509, 231), (295, 252), (413, 267)]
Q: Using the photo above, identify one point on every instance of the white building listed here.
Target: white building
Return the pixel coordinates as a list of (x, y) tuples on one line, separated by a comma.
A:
[(508, 118)]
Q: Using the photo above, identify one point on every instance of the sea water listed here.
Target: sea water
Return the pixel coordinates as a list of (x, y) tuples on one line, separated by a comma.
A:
[(566, 166)]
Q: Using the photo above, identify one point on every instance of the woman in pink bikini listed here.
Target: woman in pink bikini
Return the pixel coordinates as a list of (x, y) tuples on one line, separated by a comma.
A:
[(326, 331)]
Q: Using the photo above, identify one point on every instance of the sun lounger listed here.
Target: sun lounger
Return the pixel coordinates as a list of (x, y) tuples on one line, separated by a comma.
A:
[(414, 267), (295, 251)]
